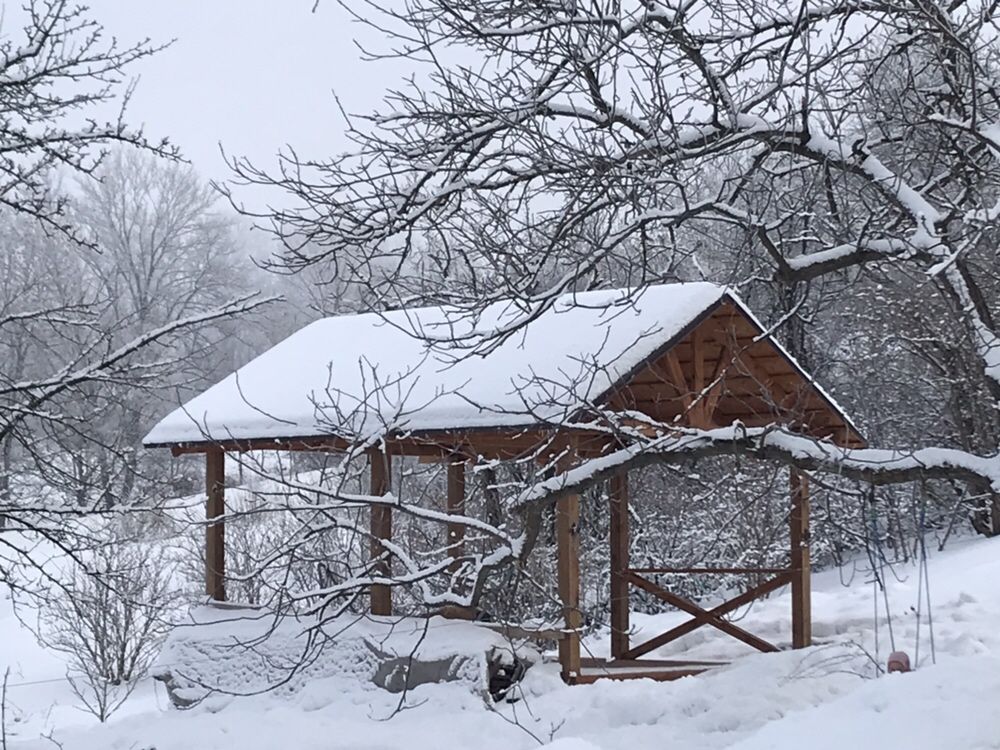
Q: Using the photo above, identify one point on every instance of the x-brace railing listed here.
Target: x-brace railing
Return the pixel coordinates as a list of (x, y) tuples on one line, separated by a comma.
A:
[(701, 616)]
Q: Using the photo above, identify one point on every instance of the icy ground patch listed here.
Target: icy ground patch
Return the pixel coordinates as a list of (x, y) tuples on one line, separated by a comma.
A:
[(821, 698)]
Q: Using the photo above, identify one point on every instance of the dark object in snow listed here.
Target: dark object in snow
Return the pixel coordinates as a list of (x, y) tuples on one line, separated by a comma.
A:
[(504, 675), (899, 661)]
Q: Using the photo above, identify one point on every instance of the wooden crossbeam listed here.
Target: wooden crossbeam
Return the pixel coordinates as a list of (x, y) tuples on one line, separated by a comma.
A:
[(702, 616), (709, 570), (592, 662)]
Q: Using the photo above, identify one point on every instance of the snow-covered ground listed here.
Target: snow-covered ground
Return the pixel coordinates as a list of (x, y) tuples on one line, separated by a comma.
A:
[(824, 697)]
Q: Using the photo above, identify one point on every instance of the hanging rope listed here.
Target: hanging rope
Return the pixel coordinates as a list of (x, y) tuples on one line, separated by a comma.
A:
[(920, 568), (923, 580), (871, 564), (877, 561)]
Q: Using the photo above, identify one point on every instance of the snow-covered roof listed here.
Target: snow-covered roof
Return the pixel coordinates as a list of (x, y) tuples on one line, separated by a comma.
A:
[(352, 375)]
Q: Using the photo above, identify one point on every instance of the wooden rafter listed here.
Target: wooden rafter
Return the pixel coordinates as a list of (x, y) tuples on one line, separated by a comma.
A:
[(718, 383), (710, 389), (675, 376), (698, 416)]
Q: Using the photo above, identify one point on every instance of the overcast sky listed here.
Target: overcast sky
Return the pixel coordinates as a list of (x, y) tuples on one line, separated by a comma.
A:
[(251, 74)]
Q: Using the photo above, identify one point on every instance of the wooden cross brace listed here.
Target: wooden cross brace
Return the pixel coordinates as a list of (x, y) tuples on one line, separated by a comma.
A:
[(702, 616)]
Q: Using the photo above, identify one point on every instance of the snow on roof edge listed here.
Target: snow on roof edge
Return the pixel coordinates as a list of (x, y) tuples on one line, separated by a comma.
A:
[(691, 315)]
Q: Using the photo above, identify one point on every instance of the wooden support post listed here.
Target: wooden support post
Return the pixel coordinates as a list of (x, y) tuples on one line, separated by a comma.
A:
[(380, 519), (800, 565), (456, 506), (619, 565), (568, 564), (215, 531)]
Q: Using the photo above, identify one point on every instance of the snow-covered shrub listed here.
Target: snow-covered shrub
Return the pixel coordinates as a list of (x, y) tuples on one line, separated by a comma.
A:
[(272, 542), (260, 563), (109, 617)]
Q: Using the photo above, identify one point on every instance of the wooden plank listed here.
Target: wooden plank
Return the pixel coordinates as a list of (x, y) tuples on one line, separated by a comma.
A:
[(708, 617), (659, 675), (618, 493), (736, 383), (456, 506), (490, 442), (708, 570), (591, 662), (215, 530), (800, 562), (511, 630), (568, 574), (380, 520)]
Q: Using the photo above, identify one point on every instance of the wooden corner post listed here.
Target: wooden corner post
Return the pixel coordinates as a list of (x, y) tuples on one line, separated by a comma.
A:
[(568, 567), (800, 563), (456, 506), (380, 520), (618, 492), (215, 530)]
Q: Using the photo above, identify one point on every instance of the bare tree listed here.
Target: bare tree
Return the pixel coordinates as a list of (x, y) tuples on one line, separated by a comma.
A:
[(58, 72), (165, 251), (838, 142)]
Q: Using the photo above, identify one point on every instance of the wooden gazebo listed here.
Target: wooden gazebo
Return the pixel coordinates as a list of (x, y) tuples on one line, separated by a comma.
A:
[(689, 355)]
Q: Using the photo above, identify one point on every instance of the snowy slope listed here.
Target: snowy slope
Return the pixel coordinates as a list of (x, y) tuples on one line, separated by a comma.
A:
[(820, 698)]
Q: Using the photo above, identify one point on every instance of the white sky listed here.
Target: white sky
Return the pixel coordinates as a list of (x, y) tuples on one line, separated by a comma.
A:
[(250, 74)]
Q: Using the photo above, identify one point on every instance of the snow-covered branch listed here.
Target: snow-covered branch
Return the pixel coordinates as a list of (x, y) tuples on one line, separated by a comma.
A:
[(875, 466)]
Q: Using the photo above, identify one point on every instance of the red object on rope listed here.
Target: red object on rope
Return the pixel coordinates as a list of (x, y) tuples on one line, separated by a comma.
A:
[(899, 661)]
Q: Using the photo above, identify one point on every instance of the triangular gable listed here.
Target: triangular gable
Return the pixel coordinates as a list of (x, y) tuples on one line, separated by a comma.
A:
[(725, 368)]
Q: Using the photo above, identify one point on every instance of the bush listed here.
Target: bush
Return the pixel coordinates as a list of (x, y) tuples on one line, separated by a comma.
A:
[(110, 618)]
